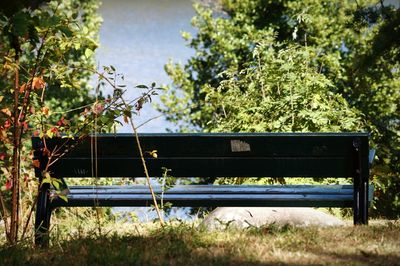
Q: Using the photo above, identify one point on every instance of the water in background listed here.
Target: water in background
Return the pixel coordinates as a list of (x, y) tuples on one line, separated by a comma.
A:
[(138, 37)]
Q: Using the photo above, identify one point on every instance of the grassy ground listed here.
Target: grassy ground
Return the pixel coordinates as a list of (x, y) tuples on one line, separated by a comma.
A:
[(185, 244)]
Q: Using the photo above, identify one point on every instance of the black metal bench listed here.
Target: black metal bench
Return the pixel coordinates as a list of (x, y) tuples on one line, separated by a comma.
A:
[(211, 155)]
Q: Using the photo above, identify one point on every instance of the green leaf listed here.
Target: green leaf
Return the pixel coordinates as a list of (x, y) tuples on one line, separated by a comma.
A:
[(47, 178), (186, 35), (68, 33), (20, 23), (63, 197), (55, 184), (88, 53), (141, 86)]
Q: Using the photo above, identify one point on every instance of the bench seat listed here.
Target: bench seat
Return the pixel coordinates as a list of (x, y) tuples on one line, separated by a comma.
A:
[(213, 196)]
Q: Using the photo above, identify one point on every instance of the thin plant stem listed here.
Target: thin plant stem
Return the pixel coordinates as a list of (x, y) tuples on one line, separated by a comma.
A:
[(144, 166), (15, 160), (4, 215), (28, 218), (149, 120)]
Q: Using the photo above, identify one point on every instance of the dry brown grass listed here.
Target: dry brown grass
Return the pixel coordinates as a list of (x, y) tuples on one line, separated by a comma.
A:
[(185, 244)]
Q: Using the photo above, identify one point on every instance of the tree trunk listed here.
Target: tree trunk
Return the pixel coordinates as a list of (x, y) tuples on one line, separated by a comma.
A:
[(15, 160)]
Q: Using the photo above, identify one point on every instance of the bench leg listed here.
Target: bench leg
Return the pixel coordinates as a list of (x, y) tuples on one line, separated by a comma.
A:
[(43, 214), (361, 202), (364, 201), (361, 187)]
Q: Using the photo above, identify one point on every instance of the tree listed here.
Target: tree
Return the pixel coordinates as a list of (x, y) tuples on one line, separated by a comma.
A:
[(46, 49), (259, 63), (279, 91)]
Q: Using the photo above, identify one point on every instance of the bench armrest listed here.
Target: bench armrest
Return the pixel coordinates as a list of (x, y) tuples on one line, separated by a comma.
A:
[(371, 156)]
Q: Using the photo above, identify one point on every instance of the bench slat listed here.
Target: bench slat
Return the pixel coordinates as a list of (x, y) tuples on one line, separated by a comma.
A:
[(208, 167), (216, 189), (216, 145), (212, 196), (208, 200)]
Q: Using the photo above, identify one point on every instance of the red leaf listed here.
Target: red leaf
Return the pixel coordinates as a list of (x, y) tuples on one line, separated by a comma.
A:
[(45, 110), (38, 83), (26, 179), (7, 124), (36, 163), (62, 122), (54, 130), (8, 185), (98, 108), (22, 88), (2, 156), (46, 152), (25, 125)]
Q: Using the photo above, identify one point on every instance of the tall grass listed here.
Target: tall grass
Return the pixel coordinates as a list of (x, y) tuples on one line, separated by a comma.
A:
[(181, 243)]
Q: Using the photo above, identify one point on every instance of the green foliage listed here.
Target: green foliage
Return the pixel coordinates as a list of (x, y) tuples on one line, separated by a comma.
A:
[(296, 66), (44, 73), (48, 49), (52, 41), (279, 91)]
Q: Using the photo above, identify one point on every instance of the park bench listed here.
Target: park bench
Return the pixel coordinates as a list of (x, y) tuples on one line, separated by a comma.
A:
[(323, 155)]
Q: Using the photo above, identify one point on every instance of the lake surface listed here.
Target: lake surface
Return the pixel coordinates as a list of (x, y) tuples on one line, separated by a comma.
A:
[(138, 37)]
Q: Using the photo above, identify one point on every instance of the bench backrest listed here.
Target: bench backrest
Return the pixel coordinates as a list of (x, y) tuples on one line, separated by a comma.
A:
[(211, 155)]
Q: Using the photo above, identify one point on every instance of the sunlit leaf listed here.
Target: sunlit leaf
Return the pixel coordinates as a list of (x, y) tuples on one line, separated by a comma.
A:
[(38, 83), (6, 111), (63, 197), (55, 184), (88, 53)]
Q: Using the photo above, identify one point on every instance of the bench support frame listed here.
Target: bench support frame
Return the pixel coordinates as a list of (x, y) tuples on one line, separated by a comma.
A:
[(43, 216)]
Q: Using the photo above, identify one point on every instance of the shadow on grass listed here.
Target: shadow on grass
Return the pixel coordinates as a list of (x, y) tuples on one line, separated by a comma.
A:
[(188, 245), (149, 250), (360, 257)]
